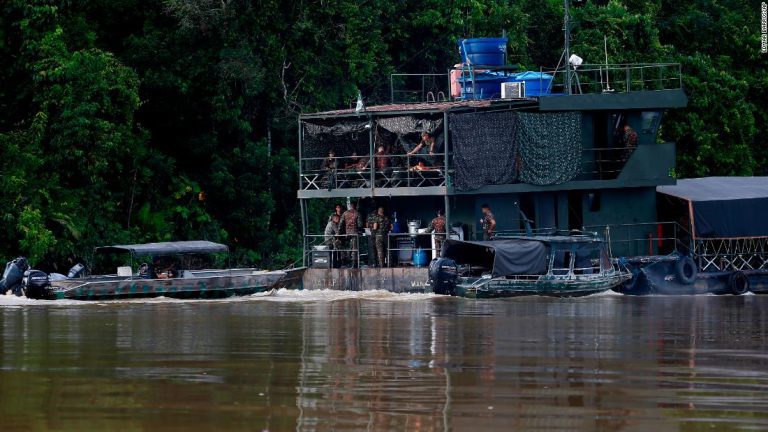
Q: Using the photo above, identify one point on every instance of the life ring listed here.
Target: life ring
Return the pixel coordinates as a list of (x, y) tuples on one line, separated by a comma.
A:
[(738, 283), (685, 270)]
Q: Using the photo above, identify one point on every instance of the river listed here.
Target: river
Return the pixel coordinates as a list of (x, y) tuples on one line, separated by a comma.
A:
[(307, 361)]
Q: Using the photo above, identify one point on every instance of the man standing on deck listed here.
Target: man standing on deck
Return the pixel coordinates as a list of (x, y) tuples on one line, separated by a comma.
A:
[(369, 221), (331, 234), (488, 222), (437, 226), (337, 211), (381, 225), (352, 222), (629, 141)]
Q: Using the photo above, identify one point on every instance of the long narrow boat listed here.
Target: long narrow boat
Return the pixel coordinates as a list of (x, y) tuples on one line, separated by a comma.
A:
[(181, 283), (558, 265)]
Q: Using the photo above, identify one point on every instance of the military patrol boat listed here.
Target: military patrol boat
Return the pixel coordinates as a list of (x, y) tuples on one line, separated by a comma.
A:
[(150, 278), (557, 265)]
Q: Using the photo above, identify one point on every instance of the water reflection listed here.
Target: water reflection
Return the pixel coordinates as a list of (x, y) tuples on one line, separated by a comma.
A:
[(381, 363)]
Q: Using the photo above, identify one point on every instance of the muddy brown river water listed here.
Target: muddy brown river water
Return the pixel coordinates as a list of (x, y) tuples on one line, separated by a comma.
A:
[(317, 361)]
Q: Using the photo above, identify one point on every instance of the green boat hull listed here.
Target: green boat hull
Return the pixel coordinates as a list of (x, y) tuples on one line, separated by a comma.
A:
[(544, 286), (209, 284)]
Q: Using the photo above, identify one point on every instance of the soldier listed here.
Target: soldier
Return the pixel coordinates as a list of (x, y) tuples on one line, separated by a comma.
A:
[(629, 141), (437, 226), (369, 221), (488, 222), (338, 211), (381, 226), (352, 223), (330, 164), (331, 234)]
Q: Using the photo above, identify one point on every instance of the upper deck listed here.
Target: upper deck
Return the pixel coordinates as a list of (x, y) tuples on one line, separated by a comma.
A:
[(548, 143)]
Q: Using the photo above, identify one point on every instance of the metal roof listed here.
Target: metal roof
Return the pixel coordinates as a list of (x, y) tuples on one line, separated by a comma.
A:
[(421, 107), (718, 188), (167, 248)]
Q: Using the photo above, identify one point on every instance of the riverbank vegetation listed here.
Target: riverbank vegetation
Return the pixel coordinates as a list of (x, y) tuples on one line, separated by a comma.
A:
[(132, 121)]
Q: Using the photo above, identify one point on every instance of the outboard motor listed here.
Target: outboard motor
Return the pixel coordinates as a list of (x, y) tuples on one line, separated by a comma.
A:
[(36, 284), (76, 271), (443, 274), (13, 276)]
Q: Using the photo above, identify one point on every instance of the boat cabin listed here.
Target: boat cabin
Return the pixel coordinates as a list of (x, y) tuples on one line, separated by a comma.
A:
[(577, 156)]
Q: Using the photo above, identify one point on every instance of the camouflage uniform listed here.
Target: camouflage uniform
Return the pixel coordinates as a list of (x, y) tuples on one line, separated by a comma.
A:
[(352, 222), (331, 235), (371, 246), (380, 236), (487, 230), (437, 226), (629, 139)]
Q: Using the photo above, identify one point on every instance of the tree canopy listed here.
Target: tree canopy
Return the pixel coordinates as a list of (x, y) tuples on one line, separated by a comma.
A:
[(130, 121)]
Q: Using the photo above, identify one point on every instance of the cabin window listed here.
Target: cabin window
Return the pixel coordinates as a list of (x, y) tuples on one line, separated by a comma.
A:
[(650, 122)]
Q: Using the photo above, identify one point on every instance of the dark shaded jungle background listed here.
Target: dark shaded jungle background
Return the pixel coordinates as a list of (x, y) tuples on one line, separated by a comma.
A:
[(132, 121)]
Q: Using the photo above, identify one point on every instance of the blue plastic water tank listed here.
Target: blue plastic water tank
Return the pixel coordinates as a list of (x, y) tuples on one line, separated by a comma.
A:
[(419, 258), (536, 83), (487, 86), (483, 51)]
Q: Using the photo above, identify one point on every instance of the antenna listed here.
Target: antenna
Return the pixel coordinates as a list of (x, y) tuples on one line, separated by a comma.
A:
[(567, 36), (607, 78)]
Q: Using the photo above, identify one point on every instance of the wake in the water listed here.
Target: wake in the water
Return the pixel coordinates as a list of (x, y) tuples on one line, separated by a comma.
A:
[(275, 295)]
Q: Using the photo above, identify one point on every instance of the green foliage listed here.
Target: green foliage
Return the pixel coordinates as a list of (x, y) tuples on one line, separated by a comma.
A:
[(140, 121)]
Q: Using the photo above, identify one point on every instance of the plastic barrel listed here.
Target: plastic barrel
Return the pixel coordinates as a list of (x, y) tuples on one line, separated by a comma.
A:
[(487, 86), (536, 83), (419, 258), (483, 51)]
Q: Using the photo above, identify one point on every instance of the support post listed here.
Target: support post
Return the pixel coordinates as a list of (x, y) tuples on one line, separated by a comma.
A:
[(301, 160), (372, 152), (448, 230), (446, 140), (303, 211)]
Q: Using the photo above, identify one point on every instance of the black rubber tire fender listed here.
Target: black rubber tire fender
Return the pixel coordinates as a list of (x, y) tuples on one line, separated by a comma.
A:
[(738, 283), (685, 270)]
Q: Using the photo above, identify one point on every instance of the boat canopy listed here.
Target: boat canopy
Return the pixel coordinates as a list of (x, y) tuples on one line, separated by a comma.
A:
[(724, 207), (503, 257), (167, 248)]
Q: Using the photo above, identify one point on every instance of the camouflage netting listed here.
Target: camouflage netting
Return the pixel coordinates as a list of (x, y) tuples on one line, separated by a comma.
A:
[(549, 147), (344, 137), (483, 148), (398, 135), (492, 148)]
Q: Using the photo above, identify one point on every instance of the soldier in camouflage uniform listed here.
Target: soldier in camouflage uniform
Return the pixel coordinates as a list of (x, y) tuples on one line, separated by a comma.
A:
[(381, 230), (353, 223), (369, 221), (437, 226), (488, 222)]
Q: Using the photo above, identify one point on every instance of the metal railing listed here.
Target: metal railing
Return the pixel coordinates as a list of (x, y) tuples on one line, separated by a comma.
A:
[(349, 254), (731, 254), (620, 78), (644, 239), (419, 88), (603, 163), (407, 243), (420, 170), (383, 171), (356, 254)]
